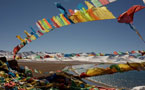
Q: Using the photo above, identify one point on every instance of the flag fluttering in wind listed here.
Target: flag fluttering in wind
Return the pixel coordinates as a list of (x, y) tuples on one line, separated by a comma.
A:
[(128, 16), (91, 12)]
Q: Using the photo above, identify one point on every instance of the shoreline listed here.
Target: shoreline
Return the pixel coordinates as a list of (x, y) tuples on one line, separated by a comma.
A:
[(53, 66), (97, 83)]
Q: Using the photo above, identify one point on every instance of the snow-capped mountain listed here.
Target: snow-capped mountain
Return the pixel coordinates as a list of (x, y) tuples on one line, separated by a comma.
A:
[(28, 54), (87, 57), (6, 54)]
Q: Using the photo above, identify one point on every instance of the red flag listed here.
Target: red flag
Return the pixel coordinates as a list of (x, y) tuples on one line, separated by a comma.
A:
[(115, 53), (104, 2), (15, 50), (127, 17), (133, 52), (71, 12)]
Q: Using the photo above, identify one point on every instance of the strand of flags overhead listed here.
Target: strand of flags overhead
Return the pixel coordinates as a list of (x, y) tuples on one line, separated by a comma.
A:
[(95, 11)]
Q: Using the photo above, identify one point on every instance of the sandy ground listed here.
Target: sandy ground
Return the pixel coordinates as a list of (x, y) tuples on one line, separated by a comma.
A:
[(53, 66), (48, 66)]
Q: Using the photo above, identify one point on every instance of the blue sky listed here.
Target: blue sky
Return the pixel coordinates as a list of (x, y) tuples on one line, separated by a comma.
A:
[(98, 36)]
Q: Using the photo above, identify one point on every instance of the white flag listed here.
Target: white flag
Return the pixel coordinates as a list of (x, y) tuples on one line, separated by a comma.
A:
[(111, 1)]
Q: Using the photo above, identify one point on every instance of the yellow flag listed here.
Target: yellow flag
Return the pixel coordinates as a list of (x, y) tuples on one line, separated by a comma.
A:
[(95, 71), (33, 37), (22, 40), (79, 15), (61, 16), (103, 13), (107, 13), (74, 18), (57, 22), (89, 5), (87, 14), (44, 23), (28, 34)]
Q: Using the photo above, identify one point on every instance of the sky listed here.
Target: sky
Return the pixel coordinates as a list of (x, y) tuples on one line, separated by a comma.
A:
[(103, 36)]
